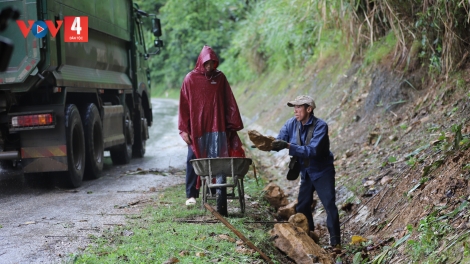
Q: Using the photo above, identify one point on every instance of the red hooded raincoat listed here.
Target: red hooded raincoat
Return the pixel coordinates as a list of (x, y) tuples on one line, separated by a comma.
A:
[(208, 111)]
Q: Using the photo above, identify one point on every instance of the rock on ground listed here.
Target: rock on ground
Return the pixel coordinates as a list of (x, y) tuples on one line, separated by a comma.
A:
[(298, 245), (285, 212), (299, 220), (275, 195)]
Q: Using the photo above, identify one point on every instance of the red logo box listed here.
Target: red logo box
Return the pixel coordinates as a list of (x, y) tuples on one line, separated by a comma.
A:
[(76, 29)]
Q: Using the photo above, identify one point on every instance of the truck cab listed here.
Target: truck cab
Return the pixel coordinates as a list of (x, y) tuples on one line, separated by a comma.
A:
[(64, 102)]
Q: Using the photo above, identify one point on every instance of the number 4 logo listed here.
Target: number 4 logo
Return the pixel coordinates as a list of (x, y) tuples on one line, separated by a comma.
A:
[(76, 25), (76, 29)]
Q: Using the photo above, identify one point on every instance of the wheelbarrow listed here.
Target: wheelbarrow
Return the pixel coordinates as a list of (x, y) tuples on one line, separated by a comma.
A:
[(214, 173)]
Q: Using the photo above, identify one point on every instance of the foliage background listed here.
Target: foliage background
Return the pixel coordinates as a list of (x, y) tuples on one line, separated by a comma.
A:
[(255, 37), (187, 26)]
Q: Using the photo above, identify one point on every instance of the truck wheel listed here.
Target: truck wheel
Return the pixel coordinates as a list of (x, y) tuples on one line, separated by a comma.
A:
[(138, 149), (122, 154), (94, 146), (75, 149), (221, 195)]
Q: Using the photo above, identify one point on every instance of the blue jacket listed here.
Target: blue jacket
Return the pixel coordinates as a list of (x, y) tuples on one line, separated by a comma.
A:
[(318, 151)]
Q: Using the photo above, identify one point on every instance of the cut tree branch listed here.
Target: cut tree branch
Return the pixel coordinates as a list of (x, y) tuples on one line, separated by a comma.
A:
[(240, 235)]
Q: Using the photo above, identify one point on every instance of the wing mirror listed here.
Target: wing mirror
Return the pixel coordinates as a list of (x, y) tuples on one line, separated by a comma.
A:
[(158, 43), (156, 27), (157, 32)]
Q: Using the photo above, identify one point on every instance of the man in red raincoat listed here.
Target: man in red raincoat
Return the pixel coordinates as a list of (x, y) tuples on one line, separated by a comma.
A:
[(208, 117)]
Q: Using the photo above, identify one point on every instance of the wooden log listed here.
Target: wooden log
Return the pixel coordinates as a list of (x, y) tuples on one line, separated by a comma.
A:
[(197, 221), (240, 235), (265, 222)]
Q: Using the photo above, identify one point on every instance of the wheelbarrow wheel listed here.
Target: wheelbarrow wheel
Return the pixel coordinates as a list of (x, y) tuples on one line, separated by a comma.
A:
[(221, 195)]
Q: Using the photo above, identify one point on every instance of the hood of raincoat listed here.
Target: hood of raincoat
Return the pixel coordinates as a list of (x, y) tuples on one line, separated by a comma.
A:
[(207, 54)]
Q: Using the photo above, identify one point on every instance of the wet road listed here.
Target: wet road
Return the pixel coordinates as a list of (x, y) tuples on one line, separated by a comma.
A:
[(44, 224)]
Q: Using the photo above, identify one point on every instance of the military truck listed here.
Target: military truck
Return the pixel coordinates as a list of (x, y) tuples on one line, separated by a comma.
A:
[(62, 104)]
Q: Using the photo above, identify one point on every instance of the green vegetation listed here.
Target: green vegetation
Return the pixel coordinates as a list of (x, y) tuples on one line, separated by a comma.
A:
[(157, 235), (431, 240), (411, 161), (429, 233), (187, 27), (280, 35), (258, 37), (389, 251), (380, 50)]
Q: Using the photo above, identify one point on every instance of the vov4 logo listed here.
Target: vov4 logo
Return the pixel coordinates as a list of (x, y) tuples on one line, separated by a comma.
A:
[(75, 28)]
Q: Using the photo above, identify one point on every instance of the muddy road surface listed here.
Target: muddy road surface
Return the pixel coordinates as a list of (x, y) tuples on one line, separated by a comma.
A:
[(45, 224)]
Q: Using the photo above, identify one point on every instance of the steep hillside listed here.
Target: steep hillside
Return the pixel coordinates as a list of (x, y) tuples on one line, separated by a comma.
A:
[(401, 153)]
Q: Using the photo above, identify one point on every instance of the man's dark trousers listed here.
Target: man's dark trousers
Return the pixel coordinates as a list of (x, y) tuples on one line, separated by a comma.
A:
[(325, 187), (191, 177)]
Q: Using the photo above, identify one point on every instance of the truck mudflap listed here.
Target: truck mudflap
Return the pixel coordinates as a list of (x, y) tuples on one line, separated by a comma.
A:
[(44, 150), (44, 164), (41, 159)]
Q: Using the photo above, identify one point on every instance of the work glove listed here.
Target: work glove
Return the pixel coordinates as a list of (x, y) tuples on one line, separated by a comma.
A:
[(278, 144)]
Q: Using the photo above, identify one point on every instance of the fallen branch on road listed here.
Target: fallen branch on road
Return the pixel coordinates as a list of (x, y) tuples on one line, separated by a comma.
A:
[(65, 236), (196, 221), (214, 221), (103, 214), (136, 202), (240, 235), (265, 222)]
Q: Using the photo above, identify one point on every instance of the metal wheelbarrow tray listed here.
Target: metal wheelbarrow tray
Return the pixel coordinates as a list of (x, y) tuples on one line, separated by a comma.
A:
[(214, 166), (219, 169)]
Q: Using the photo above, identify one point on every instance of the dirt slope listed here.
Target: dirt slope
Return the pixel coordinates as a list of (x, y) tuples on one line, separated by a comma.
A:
[(384, 126)]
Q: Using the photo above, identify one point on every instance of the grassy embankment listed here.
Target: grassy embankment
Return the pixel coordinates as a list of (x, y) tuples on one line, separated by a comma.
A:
[(162, 233)]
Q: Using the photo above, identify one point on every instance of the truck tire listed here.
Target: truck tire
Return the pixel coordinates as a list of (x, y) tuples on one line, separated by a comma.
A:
[(138, 150), (75, 149), (221, 195), (94, 146), (122, 154)]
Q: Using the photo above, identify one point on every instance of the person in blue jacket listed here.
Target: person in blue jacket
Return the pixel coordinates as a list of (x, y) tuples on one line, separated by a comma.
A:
[(316, 161)]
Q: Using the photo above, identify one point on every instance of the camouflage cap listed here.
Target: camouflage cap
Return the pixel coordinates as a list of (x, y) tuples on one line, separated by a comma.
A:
[(301, 100)]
